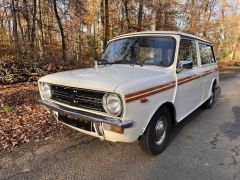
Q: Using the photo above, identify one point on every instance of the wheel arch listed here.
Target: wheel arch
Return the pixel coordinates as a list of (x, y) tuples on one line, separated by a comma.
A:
[(172, 110), (214, 83)]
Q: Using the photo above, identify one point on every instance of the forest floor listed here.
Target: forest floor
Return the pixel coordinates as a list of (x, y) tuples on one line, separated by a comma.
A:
[(22, 118)]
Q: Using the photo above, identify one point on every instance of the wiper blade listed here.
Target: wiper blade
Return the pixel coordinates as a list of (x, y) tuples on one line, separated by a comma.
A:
[(103, 62), (123, 61)]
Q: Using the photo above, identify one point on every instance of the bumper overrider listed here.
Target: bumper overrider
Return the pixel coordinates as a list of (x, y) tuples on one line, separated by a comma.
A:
[(86, 116)]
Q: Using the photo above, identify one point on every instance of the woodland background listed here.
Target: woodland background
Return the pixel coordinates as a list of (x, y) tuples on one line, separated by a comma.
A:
[(74, 32)]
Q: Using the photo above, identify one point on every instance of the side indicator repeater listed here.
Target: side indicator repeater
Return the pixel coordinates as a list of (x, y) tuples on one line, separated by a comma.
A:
[(143, 100)]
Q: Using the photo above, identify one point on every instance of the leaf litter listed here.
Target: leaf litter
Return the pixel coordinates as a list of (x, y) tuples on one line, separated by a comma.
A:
[(22, 117)]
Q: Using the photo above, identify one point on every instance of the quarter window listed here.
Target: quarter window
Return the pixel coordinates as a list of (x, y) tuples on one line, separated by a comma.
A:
[(187, 51), (206, 54)]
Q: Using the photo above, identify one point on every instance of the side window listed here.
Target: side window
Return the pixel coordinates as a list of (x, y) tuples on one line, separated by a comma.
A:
[(187, 51), (206, 54)]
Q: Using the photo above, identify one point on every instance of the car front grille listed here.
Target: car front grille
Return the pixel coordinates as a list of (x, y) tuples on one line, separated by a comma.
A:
[(82, 98)]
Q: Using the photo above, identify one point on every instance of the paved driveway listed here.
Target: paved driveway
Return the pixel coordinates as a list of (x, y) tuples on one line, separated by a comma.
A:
[(206, 145)]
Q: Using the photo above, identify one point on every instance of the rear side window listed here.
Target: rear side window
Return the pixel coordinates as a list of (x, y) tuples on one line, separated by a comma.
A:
[(206, 54), (187, 51)]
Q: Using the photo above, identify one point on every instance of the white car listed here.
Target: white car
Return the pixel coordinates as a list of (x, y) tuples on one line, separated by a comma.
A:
[(143, 84)]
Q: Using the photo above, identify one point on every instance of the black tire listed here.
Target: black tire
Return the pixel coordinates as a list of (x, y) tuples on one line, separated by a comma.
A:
[(148, 141), (211, 101)]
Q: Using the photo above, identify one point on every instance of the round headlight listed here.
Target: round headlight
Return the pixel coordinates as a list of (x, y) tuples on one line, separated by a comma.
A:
[(112, 104), (46, 91)]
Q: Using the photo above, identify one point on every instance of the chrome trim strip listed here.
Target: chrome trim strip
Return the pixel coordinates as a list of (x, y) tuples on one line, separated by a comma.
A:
[(86, 115)]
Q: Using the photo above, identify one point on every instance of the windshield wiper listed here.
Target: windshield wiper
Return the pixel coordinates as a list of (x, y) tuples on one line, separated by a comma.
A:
[(103, 61), (123, 61)]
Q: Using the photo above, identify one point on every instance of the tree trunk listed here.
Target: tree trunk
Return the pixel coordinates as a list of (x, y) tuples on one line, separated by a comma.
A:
[(159, 16), (205, 14), (79, 49), (19, 22), (26, 17), (153, 16), (126, 13), (233, 54), (122, 20), (15, 31), (192, 17), (41, 29), (106, 33), (94, 41), (33, 24), (9, 30), (102, 16), (140, 15), (61, 30)]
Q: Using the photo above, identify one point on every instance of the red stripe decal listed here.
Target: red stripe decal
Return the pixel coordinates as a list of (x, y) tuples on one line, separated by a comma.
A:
[(163, 87)]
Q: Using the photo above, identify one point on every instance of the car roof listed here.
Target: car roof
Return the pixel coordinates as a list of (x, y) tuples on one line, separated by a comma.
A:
[(162, 32)]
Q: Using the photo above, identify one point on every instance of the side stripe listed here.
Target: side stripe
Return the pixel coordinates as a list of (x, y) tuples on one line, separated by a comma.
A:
[(149, 89), (185, 80), (163, 87), (140, 96)]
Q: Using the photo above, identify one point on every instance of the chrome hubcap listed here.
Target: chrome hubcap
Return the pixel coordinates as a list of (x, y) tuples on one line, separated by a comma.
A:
[(160, 130)]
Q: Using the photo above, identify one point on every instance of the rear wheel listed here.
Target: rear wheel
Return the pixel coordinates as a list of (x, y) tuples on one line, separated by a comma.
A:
[(155, 138), (210, 102)]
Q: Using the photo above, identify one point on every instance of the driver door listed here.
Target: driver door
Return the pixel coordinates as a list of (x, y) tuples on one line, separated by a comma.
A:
[(189, 86)]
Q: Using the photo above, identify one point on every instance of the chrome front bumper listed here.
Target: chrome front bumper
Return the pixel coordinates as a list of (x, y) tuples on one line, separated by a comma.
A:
[(86, 115)]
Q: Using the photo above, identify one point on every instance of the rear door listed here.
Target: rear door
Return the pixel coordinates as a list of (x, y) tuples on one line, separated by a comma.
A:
[(189, 88), (209, 68)]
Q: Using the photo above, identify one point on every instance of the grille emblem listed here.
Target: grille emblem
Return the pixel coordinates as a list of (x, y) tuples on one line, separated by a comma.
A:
[(72, 97)]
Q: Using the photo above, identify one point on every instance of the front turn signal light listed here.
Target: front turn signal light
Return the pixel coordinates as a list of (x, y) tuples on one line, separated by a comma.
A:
[(113, 128)]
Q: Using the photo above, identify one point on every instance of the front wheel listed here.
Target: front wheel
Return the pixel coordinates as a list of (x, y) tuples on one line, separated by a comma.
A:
[(155, 138)]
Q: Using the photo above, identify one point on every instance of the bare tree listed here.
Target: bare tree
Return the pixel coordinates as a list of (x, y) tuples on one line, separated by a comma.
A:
[(26, 17), (61, 29), (140, 15), (33, 23), (15, 28), (106, 32), (127, 14)]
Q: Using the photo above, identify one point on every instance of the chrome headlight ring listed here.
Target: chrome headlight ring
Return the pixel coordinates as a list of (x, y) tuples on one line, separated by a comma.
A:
[(112, 104), (45, 90)]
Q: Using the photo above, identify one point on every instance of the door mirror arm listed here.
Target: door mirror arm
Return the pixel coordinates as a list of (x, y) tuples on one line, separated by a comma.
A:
[(179, 69), (184, 65)]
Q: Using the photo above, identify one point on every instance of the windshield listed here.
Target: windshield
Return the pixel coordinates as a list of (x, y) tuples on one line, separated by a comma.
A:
[(140, 50)]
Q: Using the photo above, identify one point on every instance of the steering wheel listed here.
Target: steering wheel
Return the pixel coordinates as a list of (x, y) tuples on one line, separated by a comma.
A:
[(150, 61), (155, 61)]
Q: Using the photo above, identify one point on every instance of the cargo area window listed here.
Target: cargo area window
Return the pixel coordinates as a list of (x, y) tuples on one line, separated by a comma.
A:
[(206, 54)]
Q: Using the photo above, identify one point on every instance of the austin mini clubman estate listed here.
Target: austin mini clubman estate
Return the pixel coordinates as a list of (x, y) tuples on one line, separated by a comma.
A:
[(143, 84)]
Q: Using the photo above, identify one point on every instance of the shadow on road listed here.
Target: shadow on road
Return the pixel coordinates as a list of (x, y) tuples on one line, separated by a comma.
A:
[(232, 129), (177, 129)]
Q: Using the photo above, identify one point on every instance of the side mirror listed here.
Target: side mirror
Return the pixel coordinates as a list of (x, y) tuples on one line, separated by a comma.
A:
[(184, 65)]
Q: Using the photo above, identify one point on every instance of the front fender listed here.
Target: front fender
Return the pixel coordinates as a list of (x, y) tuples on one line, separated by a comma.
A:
[(142, 113)]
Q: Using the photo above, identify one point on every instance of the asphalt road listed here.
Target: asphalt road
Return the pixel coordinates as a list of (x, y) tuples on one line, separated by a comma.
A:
[(206, 145)]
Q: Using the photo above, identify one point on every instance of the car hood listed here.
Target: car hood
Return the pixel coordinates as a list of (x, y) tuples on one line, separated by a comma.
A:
[(104, 78)]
